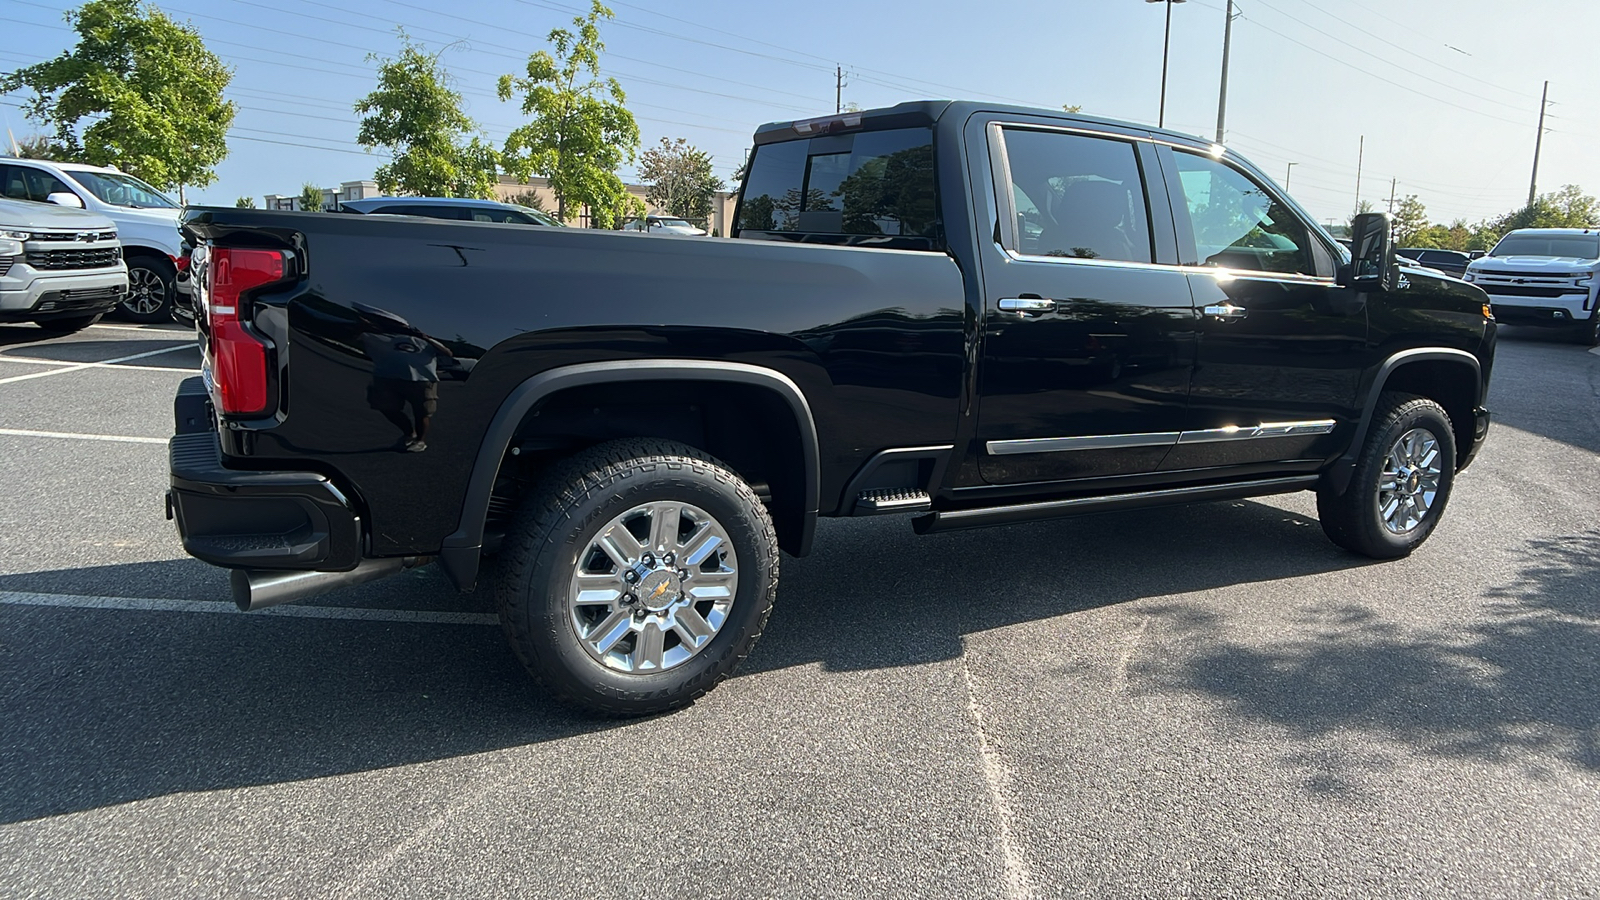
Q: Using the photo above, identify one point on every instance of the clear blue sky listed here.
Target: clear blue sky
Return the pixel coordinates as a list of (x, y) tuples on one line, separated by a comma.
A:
[(1445, 91)]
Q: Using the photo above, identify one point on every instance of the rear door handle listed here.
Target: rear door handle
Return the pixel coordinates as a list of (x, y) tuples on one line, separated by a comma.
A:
[(1025, 306), (1226, 311)]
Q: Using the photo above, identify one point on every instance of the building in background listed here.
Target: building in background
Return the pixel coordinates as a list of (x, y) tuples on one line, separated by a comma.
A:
[(331, 197)]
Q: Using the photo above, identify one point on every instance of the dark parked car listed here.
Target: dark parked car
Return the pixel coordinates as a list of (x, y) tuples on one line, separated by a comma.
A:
[(457, 208), (972, 313), (1450, 262)]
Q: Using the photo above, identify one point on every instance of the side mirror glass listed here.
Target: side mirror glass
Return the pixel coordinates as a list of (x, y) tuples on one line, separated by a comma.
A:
[(65, 198), (1373, 265)]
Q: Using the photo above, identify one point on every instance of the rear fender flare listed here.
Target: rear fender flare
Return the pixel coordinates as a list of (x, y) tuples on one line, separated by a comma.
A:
[(461, 551)]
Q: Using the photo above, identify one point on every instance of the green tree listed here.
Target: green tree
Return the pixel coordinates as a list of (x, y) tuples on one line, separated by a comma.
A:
[(680, 177), (1364, 206), (581, 132), (139, 91), (1568, 207), (245, 203), (1411, 223), (311, 198), (40, 146), (416, 115), (530, 199)]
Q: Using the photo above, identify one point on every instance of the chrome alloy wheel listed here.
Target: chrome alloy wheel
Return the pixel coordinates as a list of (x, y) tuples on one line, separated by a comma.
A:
[(147, 290), (654, 587), (1410, 481)]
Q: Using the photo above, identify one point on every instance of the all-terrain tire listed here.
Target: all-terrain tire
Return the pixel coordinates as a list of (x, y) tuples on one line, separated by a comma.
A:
[(561, 520), (152, 283), (1356, 519)]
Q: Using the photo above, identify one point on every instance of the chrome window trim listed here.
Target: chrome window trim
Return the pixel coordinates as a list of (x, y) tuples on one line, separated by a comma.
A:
[(1084, 442), (1306, 428)]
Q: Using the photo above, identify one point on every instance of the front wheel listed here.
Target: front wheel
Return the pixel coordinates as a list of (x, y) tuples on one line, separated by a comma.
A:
[(151, 283), (1587, 334), (1401, 482), (637, 577)]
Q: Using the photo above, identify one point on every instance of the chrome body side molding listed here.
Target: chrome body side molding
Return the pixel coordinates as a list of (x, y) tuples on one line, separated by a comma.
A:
[(1160, 438)]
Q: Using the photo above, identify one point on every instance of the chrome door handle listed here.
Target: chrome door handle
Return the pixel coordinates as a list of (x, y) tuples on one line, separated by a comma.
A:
[(1026, 305), (1226, 311)]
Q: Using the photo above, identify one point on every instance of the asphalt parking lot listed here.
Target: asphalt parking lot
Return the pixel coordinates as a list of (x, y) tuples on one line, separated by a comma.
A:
[(1208, 701)]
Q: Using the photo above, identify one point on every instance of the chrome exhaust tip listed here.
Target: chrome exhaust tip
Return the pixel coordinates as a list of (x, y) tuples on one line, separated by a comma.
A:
[(255, 589)]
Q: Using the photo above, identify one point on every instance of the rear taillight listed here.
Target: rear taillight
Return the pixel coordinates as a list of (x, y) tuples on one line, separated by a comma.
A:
[(239, 359)]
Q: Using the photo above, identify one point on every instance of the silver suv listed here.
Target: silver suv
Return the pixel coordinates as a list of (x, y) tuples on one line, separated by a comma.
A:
[(61, 268), (1546, 277)]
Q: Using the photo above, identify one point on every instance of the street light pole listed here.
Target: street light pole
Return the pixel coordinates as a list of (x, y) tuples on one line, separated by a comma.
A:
[(1166, 47)]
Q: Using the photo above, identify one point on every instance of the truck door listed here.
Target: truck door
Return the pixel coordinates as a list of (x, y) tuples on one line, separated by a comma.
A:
[(1282, 346), (1088, 324)]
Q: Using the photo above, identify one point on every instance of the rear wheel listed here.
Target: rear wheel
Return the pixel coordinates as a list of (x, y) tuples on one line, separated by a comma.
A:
[(637, 577), (151, 282), (1401, 482)]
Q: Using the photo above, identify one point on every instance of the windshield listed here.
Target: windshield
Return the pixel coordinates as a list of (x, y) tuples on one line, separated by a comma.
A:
[(1577, 246), (118, 189)]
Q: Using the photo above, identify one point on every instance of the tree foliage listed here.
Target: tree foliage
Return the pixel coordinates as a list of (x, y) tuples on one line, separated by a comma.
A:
[(1410, 222), (139, 91), (581, 132), (1568, 207), (42, 146), (415, 114), (245, 203), (311, 198), (680, 177)]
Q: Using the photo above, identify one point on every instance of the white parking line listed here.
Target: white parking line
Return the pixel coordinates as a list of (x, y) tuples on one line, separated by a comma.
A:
[(41, 361), (147, 604), (186, 333), (75, 436), (78, 367)]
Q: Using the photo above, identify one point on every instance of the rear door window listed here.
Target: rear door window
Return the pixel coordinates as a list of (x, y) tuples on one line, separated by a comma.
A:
[(875, 188), (28, 183), (1078, 197)]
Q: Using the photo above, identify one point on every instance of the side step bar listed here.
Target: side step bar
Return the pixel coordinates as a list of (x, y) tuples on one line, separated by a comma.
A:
[(952, 520)]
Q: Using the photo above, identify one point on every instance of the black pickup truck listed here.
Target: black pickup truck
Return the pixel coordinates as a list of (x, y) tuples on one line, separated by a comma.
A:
[(970, 313)]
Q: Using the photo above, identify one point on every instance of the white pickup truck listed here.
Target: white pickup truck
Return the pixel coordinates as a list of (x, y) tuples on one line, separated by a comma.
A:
[(61, 268), (1546, 277)]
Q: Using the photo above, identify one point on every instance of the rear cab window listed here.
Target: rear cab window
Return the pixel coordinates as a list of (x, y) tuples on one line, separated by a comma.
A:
[(870, 188)]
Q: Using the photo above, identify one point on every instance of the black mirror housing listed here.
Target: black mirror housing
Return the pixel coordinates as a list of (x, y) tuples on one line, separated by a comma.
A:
[(1373, 266)]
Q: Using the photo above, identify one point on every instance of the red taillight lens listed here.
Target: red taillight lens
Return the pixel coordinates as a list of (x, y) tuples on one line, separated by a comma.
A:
[(181, 263), (239, 359)]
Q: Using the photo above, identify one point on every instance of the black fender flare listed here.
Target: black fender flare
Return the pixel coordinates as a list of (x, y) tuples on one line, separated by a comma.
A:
[(1337, 476), (460, 553)]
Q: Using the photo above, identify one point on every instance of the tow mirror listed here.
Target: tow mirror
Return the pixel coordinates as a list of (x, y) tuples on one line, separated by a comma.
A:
[(1372, 265), (65, 198)]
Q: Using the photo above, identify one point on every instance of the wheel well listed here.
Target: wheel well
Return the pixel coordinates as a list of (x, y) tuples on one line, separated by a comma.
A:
[(1452, 385), (157, 255), (750, 428)]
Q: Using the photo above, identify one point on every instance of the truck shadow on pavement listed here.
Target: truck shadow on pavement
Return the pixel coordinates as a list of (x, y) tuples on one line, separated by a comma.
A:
[(1515, 686), (108, 707)]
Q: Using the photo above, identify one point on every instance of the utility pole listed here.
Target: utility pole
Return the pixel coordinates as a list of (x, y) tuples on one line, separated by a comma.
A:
[(1533, 183), (1392, 183), (1361, 155), (1286, 173), (838, 89), (1166, 46), (1222, 96)]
